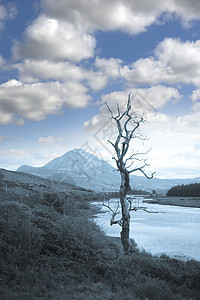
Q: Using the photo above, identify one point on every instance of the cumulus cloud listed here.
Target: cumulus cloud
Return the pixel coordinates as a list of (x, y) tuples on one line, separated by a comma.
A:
[(96, 77), (52, 73), (63, 35), (195, 95), (56, 39), (110, 67), (31, 70), (154, 97), (129, 16), (36, 101), (65, 29), (174, 62), (49, 140), (104, 15)]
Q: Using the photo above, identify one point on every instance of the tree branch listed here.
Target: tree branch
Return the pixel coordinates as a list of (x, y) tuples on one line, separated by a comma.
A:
[(148, 177), (114, 213), (137, 153), (135, 208)]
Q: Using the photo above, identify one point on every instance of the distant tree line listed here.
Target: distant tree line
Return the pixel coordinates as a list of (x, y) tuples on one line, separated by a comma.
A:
[(189, 190)]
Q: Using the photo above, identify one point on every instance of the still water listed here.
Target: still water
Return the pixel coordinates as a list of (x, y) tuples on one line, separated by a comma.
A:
[(172, 230)]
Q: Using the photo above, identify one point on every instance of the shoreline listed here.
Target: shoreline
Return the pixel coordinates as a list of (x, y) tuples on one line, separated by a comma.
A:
[(193, 202), (174, 201)]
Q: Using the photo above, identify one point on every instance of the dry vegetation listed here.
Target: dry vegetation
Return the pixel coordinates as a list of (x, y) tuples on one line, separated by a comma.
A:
[(51, 249)]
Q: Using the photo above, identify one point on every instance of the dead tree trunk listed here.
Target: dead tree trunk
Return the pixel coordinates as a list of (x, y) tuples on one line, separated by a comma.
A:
[(121, 146), (125, 233)]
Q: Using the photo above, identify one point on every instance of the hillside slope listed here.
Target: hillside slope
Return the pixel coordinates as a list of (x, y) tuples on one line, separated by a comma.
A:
[(20, 183)]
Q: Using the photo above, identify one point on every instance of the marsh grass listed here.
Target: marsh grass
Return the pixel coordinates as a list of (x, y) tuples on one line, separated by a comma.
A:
[(50, 249)]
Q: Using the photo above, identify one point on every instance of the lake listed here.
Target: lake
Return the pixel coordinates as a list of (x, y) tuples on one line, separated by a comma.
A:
[(171, 230)]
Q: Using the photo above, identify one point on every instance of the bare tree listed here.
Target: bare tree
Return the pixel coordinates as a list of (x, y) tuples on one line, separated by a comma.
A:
[(127, 127)]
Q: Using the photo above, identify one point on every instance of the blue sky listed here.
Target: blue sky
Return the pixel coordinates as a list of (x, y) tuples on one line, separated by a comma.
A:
[(60, 60)]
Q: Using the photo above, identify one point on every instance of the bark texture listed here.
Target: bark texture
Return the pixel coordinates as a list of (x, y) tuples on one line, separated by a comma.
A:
[(125, 233)]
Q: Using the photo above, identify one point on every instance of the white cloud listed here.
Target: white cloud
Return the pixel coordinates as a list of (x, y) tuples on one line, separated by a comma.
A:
[(103, 71), (103, 15), (151, 98), (51, 75), (96, 77), (128, 16), (36, 101), (65, 29), (55, 39), (110, 67), (32, 70), (174, 62), (187, 10), (170, 65), (195, 95), (183, 58)]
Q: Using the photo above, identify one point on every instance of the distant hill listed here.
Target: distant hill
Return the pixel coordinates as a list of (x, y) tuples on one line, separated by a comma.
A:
[(160, 185), (188, 190), (20, 183), (83, 169)]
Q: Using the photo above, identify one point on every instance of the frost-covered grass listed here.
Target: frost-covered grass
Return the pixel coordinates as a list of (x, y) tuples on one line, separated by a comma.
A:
[(50, 249)]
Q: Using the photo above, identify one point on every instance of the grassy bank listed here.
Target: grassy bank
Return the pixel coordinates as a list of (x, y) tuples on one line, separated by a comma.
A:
[(178, 201), (50, 249)]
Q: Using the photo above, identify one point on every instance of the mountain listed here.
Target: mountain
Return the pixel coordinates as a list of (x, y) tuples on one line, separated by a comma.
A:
[(83, 169), (80, 168)]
